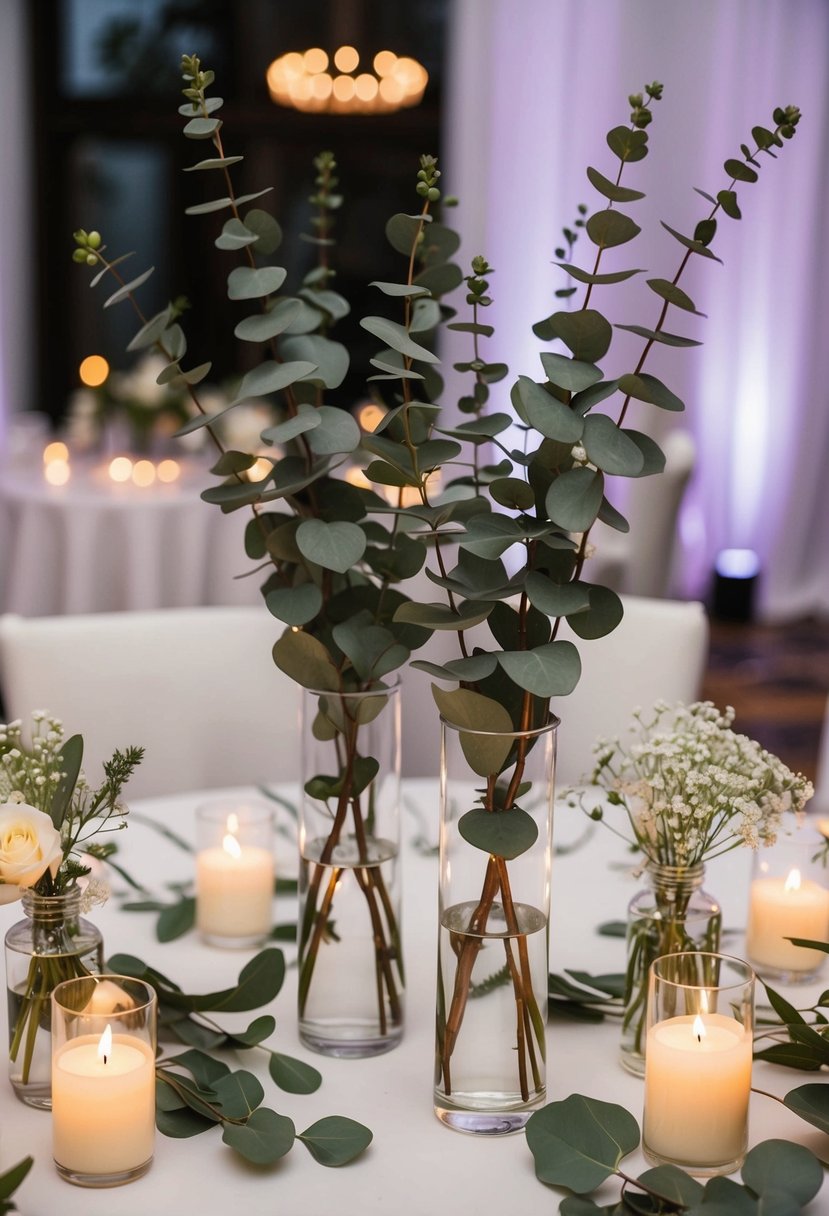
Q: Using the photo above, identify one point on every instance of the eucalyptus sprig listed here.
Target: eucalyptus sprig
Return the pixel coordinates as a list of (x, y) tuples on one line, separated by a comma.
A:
[(10, 1180), (579, 1143), (212, 1093)]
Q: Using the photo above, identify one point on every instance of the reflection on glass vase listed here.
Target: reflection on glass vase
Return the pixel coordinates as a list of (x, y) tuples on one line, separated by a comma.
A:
[(351, 978), (495, 849), (671, 915), (53, 944)]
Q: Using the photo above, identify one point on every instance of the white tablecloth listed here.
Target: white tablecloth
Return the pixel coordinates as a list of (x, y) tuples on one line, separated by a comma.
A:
[(94, 546), (415, 1166)]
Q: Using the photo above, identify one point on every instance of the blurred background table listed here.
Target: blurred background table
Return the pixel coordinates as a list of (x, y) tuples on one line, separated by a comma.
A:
[(95, 545)]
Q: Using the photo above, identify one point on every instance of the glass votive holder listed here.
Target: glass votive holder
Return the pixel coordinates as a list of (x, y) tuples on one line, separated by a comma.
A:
[(103, 1079), (235, 872), (788, 897), (698, 1062)]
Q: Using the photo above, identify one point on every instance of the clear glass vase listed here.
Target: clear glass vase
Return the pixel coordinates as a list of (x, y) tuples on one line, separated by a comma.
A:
[(52, 944), (671, 915), (493, 940), (351, 978)]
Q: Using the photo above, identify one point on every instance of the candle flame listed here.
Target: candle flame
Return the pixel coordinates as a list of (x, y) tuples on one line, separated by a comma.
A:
[(703, 1002), (105, 1044), (699, 1028), (792, 883), (231, 846), (233, 823)]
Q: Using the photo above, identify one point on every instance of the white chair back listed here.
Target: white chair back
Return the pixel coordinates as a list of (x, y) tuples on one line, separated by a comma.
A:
[(196, 687), (820, 802)]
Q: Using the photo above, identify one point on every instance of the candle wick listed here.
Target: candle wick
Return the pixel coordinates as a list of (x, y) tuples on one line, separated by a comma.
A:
[(699, 1040), (105, 1059)]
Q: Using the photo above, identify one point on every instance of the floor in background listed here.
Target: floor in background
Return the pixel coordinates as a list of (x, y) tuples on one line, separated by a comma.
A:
[(777, 679)]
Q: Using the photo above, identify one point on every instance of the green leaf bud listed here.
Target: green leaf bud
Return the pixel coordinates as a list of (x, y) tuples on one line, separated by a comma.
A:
[(635, 100), (654, 90), (78, 255), (94, 240), (92, 259), (422, 189), (79, 237), (433, 194)]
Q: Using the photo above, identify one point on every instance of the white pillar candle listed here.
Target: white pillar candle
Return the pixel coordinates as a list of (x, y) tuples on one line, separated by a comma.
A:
[(697, 1084), (103, 1105), (234, 890), (786, 907)]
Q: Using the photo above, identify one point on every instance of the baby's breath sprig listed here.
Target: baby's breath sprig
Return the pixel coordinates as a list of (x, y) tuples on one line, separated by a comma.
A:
[(692, 788)]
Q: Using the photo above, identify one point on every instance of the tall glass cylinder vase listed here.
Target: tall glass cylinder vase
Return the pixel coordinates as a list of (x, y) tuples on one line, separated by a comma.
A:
[(670, 916), (52, 944), (496, 796), (351, 977)]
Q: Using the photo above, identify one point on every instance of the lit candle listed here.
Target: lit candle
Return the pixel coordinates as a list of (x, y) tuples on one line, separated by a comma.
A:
[(697, 1083), (103, 1105), (786, 907), (234, 889)]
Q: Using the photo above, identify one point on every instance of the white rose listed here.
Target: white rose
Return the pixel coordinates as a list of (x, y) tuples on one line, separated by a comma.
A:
[(29, 846)]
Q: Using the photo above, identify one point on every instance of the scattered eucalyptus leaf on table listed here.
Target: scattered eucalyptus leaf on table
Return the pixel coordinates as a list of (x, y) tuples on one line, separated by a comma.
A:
[(10, 1181)]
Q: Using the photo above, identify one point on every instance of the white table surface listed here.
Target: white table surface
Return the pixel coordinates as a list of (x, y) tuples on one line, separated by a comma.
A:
[(415, 1165), (93, 545)]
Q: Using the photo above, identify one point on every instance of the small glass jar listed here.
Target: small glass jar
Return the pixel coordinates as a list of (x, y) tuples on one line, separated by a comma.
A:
[(670, 915), (54, 943), (700, 1015), (789, 898)]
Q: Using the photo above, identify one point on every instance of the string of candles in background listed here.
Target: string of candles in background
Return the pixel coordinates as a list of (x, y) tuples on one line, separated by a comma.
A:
[(303, 81)]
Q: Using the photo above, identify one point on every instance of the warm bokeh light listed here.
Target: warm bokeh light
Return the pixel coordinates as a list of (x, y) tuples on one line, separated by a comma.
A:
[(93, 370), (370, 415), (168, 470), (356, 477), (55, 451), (315, 60), (384, 61), (57, 472), (346, 59), (143, 473), (259, 471), (305, 82), (120, 469)]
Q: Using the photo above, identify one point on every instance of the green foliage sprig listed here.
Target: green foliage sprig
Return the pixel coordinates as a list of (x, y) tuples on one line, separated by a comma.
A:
[(579, 1143), (10, 1181), (195, 1091)]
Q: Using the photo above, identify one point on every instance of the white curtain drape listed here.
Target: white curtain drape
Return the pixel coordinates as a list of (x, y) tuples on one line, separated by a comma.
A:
[(18, 241), (534, 85)]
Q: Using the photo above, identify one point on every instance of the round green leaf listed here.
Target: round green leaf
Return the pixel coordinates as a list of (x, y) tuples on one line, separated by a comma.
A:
[(331, 358), (551, 670), (647, 388), (337, 432), (247, 283), (579, 1142), (617, 194), (238, 1093), (294, 1076), (811, 1102), (502, 833), (556, 599), (304, 658), (266, 325), (397, 337), (335, 546), (335, 1140), (574, 498), (234, 236), (780, 1165), (609, 448), (268, 377), (295, 605), (610, 228), (653, 458), (604, 614), (551, 417), (486, 730), (660, 335), (512, 492), (569, 374), (441, 616), (674, 1184), (266, 229), (263, 1138), (402, 232), (587, 333), (628, 145), (674, 295), (176, 920)]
